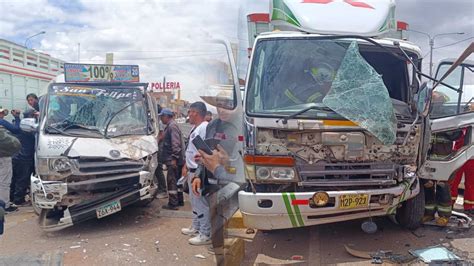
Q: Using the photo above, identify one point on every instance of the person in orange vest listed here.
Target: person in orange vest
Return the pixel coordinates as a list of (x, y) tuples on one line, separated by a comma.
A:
[(468, 171)]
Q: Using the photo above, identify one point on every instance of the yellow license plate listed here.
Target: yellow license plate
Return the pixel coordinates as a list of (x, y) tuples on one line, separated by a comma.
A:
[(353, 201)]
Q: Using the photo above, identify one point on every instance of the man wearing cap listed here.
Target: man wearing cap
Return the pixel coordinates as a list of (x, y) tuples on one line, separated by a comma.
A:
[(9, 146), (171, 155)]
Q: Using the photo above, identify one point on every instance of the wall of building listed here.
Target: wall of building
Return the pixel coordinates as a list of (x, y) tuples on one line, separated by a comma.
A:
[(24, 71)]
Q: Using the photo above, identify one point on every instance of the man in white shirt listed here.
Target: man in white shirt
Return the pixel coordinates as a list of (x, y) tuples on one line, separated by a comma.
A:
[(201, 226)]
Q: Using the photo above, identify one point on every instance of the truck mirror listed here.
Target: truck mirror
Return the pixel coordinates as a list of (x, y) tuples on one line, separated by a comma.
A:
[(424, 99), (29, 125)]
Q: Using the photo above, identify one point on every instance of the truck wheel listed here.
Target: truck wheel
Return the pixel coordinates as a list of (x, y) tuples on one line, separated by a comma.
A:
[(410, 214), (36, 209)]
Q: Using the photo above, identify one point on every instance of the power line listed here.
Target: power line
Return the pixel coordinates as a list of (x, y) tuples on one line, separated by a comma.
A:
[(451, 44), (159, 57)]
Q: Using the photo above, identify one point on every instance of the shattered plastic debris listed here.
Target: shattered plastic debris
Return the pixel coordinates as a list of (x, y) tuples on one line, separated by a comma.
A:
[(200, 256), (359, 94), (73, 247), (127, 245)]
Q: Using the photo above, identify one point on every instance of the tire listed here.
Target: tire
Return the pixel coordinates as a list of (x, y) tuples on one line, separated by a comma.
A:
[(410, 214)]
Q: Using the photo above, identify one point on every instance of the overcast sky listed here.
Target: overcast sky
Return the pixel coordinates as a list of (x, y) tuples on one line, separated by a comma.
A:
[(160, 33)]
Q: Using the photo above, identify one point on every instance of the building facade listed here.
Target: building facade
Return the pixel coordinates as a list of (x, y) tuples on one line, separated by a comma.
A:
[(24, 71)]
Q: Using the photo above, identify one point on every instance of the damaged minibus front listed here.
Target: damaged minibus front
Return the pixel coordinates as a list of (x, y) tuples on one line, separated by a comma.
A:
[(96, 151)]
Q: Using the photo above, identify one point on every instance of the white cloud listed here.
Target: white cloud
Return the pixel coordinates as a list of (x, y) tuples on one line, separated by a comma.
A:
[(161, 36)]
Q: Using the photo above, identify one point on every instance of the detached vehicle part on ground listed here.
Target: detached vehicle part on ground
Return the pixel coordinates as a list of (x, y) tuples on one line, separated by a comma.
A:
[(96, 151), (336, 124)]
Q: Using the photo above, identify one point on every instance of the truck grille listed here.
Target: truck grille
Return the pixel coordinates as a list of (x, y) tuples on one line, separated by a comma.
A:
[(329, 175), (105, 166)]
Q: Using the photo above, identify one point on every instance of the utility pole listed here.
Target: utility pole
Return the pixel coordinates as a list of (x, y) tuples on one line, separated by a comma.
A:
[(78, 52), (431, 43)]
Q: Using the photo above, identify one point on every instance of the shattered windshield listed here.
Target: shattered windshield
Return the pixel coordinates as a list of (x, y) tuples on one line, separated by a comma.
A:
[(291, 74), (94, 111)]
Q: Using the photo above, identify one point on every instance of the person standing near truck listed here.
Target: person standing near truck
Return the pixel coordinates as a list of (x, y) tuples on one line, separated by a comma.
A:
[(10, 146), (23, 164), (172, 156), (201, 227), (468, 171)]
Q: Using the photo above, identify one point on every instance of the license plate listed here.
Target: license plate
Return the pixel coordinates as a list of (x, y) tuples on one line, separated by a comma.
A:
[(108, 209), (353, 201)]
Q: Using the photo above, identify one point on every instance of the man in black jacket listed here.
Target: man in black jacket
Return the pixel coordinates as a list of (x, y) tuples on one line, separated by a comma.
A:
[(23, 164), (172, 154)]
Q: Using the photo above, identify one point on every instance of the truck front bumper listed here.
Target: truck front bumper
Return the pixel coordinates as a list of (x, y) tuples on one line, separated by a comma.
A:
[(267, 211)]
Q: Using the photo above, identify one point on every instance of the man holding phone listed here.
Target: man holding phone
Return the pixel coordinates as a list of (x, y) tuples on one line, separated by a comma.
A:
[(201, 225)]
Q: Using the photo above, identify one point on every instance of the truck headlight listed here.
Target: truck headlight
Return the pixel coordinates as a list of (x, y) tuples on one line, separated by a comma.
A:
[(283, 173), (263, 173), (60, 164), (275, 173)]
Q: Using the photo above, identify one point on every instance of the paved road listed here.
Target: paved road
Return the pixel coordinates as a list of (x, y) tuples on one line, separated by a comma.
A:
[(128, 238)]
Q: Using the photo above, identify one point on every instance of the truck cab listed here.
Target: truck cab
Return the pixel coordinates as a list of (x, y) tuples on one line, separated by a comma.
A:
[(335, 118), (96, 151)]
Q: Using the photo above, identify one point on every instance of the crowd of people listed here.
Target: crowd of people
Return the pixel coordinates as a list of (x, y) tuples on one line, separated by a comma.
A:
[(194, 169), (16, 156)]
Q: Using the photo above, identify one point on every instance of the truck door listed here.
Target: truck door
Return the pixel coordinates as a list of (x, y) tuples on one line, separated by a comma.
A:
[(452, 120)]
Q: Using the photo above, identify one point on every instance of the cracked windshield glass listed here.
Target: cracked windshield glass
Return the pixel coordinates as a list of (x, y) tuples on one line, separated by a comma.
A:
[(87, 110), (330, 75)]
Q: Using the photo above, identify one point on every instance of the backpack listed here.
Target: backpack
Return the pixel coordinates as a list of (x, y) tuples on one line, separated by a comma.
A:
[(9, 145)]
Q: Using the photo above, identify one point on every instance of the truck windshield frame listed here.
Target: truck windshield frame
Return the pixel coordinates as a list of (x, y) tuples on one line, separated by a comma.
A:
[(96, 111), (281, 64)]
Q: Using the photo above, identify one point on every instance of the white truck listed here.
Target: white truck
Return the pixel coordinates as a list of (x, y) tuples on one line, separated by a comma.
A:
[(335, 118), (96, 146)]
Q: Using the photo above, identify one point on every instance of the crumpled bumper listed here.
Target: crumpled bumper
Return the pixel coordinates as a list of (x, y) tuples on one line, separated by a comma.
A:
[(48, 195), (267, 211)]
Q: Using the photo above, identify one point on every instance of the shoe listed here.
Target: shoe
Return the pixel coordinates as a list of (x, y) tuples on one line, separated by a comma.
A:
[(181, 203), (200, 240), (12, 208), (189, 231), (22, 203), (427, 218), (442, 221), (162, 195), (170, 207)]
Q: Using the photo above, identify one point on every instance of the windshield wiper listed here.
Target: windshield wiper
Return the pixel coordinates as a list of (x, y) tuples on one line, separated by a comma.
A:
[(284, 120), (57, 130), (70, 126), (111, 117)]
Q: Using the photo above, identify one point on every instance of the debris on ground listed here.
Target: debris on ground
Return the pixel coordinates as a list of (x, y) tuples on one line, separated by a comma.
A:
[(380, 256), (73, 247), (200, 256), (297, 257), (435, 254), (457, 220), (266, 260)]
